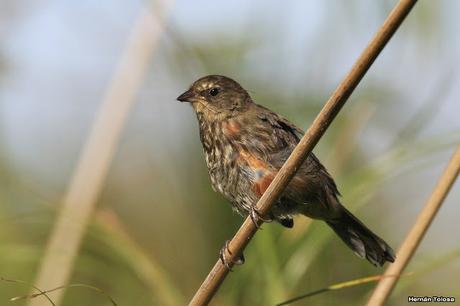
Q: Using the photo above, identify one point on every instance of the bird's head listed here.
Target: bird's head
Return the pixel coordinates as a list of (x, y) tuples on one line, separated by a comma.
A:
[(216, 96)]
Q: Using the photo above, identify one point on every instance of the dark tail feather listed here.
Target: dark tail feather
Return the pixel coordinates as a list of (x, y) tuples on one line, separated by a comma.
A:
[(361, 240)]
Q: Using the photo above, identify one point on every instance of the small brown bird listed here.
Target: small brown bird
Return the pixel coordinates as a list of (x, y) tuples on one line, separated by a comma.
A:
[(245, 144)]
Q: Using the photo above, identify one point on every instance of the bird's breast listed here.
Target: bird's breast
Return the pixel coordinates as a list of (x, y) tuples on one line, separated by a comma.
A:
[(220, 154)]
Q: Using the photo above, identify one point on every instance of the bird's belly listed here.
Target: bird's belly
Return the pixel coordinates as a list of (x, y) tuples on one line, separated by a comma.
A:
[(233, 183), (244, 185)]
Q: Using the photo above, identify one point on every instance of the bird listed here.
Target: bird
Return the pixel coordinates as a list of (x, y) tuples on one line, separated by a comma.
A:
[(245, 144)]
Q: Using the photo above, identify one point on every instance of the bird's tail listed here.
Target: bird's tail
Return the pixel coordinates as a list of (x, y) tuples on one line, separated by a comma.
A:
[(361, 240)]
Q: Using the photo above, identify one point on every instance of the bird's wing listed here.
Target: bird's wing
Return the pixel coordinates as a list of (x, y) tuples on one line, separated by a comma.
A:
[(284, 137), (261, 135)]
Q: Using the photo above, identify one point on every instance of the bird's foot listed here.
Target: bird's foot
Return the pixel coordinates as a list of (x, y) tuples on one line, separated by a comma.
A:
[(224, 259), (256, 216)]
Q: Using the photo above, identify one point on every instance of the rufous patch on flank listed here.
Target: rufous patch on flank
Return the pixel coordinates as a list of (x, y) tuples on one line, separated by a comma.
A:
[(252, 161), (262, 184), (265, 174)]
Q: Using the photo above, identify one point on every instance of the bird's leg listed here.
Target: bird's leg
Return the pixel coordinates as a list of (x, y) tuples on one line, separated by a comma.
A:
[(256, 216), (224, 259)]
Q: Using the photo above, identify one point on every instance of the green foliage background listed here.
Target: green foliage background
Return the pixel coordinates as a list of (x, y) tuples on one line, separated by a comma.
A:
[(159, 226)]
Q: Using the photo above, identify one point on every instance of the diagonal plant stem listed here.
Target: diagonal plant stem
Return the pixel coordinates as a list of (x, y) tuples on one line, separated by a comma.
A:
[(339, 286), (330, 110), (415, 236), (97, 154)]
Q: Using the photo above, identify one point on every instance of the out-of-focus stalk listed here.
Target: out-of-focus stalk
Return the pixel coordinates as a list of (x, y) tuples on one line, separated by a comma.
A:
[(97, 154)]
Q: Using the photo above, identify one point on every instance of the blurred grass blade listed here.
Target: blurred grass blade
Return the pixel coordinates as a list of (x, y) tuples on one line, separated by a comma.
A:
[(31, 296), (344, 144), (268, 250), (428, 109), (343, 285), (150, 271), (418, 230), (44, 293), (98, 152), (431, 266)]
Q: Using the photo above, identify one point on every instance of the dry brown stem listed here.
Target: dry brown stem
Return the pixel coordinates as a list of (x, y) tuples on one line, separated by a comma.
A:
[(96, 157), (247, 230), (415, 236)]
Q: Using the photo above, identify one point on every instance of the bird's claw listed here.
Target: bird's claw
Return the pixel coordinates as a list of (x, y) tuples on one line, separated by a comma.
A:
[(256, 216), (225, 261)]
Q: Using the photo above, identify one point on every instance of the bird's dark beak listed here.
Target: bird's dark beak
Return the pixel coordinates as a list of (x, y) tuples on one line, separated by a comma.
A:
[(186, 96)]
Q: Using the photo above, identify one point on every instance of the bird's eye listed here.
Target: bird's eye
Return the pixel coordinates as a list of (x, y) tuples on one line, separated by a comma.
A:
[(214, 92)]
